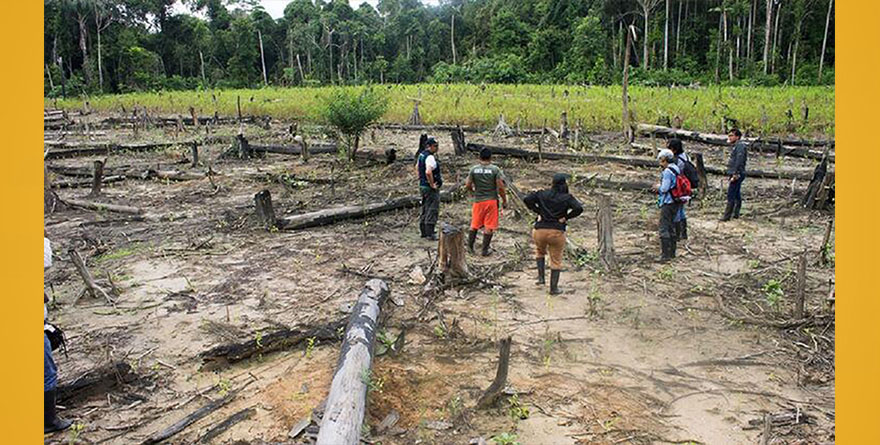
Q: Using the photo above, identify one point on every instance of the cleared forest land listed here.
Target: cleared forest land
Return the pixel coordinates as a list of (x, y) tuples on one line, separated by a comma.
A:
[(801, 111)]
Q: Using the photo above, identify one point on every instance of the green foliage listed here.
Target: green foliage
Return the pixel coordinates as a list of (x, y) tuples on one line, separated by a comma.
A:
[(505, 439), (773, 292), (515, 408), (351, 110)]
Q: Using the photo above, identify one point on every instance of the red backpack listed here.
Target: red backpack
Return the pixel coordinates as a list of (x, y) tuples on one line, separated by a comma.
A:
[(682, 190)]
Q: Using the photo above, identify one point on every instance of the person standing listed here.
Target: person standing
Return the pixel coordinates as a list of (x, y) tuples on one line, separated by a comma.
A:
[(667, 203), (681, 160), (51, 421), (430, 181), (555, 207), (486, 182), (736, 172)]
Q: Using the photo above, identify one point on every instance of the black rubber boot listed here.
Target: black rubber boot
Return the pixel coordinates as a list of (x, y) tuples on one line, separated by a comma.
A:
[(421, 230), (683, 229), (673, 246), (472, 238), (51, 421), (728, 212), (487, 239), (554, 282), (736, 208), (665, 249), (429, 232), (540, 262)]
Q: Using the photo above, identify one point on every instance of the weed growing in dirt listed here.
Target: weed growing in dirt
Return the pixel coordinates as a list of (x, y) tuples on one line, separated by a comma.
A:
[(753, 264), (310, 346), (453, 407), (386, 342), (515, 408), (505, 439), (773, 292), (547, 348), (666, 273), (585, 258), (224, 386), (439, 332), (373, 384), (593, 300), (75, 430)]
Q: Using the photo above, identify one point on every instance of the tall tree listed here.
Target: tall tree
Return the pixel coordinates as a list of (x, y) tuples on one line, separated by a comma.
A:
[(824, 40), (647, 7)]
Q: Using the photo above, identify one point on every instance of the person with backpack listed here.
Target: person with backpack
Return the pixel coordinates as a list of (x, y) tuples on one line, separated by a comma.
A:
[(736, 172), (555, 207), (51, 421), (430, 182), (485, 180), (683, 161), (673, 190)]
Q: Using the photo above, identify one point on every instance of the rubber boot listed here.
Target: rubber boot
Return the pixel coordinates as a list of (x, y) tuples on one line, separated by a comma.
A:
[(540, 262), (51, 421), (673, 246), (665, 249), (429, 232), (554, 282), (421, 230), (736, 208), (683, 229), (728, 212), (487, 238), (472, 238)]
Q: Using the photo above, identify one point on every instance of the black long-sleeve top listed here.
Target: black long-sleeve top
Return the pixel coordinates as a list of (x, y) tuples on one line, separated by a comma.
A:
[(551, 205), (738, 156)]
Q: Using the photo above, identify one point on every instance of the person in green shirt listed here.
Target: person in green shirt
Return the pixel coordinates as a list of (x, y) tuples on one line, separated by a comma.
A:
[(487, 184)]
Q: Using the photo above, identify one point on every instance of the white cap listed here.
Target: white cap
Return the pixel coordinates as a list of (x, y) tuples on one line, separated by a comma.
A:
[(665, 154)]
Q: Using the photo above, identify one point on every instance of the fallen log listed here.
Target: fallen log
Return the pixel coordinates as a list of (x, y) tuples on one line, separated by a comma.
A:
[(332, 215), (779, 146), (64, 150), (87, 182), (296, 149), (625, 160), (226, 424), (91, 288), (95, 382), (103, 206), (344, 412), (181, 424), (263, 344)]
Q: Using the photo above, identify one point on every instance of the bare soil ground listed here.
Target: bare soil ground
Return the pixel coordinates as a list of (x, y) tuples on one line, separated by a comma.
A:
[(647, 356)]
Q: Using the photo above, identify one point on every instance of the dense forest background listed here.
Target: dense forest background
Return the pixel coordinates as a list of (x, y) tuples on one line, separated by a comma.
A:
[(100, 46)]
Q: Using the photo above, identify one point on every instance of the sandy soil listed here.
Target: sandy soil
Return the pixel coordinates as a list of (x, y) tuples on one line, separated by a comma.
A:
[(646, 356)]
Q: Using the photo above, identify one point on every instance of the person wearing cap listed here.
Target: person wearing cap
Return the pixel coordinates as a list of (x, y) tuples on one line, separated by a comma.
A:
[(486, 182), (51, 421), (555, 207), (430, 181), (736, 172), (668, 205), (681, 158)]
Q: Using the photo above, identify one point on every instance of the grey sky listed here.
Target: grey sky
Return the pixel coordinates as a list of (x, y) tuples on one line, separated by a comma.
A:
[(275, 8)]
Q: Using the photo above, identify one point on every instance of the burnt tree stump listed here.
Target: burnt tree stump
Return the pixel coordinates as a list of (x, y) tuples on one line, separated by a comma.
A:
[(244, 148), (701, 173), (604, 229), (265, 211), (801, 287), (194, 147), (458, 141), (97, 178), (497, 387), (451, 252)]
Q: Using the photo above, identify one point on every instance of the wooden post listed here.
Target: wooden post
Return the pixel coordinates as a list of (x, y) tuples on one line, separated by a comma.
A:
[(801, 287), (563, 127), (238, 107), (97, 177), (344, 412), (265, 212), (451, 252), (458, 142), (825, 248), (541, 142), (701, 173), (604, 228), (494, 391), (195, 153)]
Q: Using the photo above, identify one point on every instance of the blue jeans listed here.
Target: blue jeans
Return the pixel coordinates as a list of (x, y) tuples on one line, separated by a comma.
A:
[(50, 372), (734, 190), (680, 216)]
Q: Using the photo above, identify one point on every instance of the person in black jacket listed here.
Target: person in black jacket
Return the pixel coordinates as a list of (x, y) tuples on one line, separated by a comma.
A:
[(736, 172), (554, 206)]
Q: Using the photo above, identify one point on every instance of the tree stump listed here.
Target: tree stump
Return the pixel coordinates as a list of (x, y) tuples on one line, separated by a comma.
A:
[(604, 226), (244, 148), (451, 252), (91, 288), (97, 178), (195, 154), (819, 173), (415, 118), (458, 142), (344, 412), (502, 128), (826, 240), (825, 195), (563, 127), (701, 173), (801, 287), (495, 389), (265, 212)]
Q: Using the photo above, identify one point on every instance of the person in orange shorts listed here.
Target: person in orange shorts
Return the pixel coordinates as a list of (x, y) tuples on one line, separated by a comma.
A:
[(555, 207), (486, 182)]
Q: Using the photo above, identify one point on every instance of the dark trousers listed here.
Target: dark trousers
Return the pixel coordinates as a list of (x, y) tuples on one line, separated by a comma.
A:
[(734, 190), (667, 219), (430, 206)]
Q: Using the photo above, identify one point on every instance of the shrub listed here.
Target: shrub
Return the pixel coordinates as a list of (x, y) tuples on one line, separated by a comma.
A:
[(350, 111)]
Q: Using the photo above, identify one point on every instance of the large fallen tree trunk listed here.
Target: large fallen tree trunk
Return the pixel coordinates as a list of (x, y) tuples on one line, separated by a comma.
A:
[(60, 150), (265, 343), (103, 206), (782, 147), (196, 415), (625, 160), (344, 412), (95, 382), (332, 215), (296, 149)]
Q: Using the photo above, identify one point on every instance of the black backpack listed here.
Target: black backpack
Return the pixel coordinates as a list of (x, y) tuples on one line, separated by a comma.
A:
[(56, 336), (690, 172)]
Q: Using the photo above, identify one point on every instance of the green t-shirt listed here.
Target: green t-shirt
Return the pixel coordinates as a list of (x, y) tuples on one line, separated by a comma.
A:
[(484, 178)]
